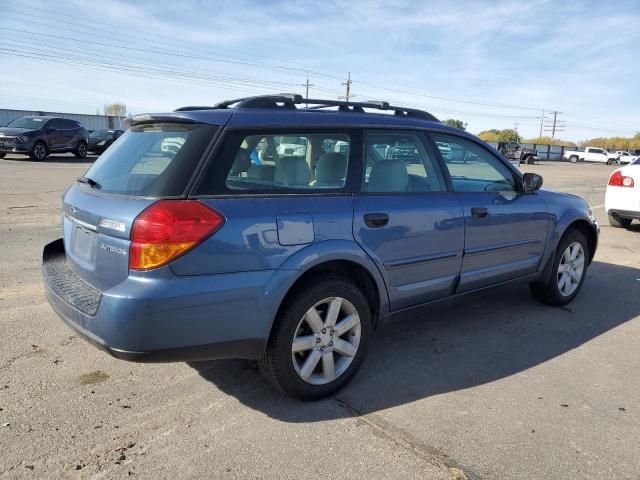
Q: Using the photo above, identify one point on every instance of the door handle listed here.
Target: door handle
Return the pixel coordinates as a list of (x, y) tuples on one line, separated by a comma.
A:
[(479, 212), (376, 220)]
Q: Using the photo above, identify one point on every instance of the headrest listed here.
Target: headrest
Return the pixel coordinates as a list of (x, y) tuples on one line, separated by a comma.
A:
[(331, 169), (388, 176), (293, 171)]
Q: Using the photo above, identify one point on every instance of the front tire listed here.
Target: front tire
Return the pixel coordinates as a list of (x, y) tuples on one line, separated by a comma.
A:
[(568, 271), (319, 339), (81, 150), (617, 222), (39, 152)]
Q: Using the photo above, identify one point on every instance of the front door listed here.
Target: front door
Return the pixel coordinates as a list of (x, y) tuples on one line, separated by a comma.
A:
[(505, 229), (406, 220)]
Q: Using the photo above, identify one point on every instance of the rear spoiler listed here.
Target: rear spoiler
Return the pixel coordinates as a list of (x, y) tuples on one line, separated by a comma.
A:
[(156, 118)]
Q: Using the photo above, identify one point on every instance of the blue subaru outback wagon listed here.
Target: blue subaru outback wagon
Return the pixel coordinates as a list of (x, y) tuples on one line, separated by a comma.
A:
[(262, 229)]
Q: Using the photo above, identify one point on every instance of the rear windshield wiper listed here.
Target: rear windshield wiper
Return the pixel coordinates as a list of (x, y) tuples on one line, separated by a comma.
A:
[(89, 181)]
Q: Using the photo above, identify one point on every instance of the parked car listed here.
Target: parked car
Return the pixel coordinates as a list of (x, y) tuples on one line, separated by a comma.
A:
[(591, 154), (290, 146), (622, 198), (517, 153), (201, 254), (100, 140), (626, 157), (39, 136)]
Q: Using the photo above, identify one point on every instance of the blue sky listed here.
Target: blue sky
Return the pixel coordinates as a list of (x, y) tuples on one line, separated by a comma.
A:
[(491, 64)]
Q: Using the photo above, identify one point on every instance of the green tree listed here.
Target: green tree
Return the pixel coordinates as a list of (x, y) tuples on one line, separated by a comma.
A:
[(489, 135), (452, 122), (115, 109), (505, 135)]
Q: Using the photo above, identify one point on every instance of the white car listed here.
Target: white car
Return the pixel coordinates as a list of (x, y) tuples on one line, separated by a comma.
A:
[(622, 200), (626, 157)]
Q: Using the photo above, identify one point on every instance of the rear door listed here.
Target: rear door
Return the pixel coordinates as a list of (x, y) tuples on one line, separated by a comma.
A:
[(66, 132), (281, 189), (505, 229), (406, 219), (52, 134)]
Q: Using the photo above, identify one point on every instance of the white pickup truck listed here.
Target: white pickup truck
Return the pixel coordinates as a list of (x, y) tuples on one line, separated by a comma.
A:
[(626, 157), (591, 154)]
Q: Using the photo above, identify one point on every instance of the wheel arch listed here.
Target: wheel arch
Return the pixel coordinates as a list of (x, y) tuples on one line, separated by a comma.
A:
[(586, 228), (353, 271), (334, 257), (570, 221)]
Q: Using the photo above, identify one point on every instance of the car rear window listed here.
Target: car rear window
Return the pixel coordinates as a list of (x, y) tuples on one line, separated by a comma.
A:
[(152, 159)]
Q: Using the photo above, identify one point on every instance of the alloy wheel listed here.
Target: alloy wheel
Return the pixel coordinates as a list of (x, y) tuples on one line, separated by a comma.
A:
[(326, 341), (39, 151), (571, 269)]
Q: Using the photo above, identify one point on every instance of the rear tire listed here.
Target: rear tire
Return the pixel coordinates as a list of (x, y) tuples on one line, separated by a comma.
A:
[(573, 159), (81, 150), (617, 222), (39, 152), (567, 273), (307, 374)]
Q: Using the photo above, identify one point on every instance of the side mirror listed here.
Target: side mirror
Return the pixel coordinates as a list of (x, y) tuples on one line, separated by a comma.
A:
[(531, 182)]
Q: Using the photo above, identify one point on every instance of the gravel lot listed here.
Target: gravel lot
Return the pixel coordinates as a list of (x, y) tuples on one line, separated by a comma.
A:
[(497, 387)]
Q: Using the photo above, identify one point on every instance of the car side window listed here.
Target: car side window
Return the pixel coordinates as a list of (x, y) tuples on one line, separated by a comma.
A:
[(54, 123), (282, 161), (399, 162), (473, 168)]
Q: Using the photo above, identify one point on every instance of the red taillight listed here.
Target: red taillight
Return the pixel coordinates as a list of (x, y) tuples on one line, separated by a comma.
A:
[(168, 229), (619, 180)]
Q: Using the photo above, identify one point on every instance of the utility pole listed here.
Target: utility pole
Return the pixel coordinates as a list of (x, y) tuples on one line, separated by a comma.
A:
[(307, 85), (515, 127), (347, 84), (541, 121), (554, 125)]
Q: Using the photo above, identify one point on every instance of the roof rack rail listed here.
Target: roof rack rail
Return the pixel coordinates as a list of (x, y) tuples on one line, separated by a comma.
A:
[(290, 100)]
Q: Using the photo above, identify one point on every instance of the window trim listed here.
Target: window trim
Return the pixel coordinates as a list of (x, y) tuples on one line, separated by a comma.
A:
[(220, 169), (517, 174), (421, 134)]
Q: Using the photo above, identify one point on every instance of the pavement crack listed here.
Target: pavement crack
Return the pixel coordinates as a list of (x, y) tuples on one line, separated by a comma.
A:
[(427, 453)]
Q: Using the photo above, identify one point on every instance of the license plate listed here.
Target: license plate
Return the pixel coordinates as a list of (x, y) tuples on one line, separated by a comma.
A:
[(84, 243)]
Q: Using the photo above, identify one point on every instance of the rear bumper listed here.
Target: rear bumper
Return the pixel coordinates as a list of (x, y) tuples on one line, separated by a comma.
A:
[(622, 202), (164, 319), (635, 215)]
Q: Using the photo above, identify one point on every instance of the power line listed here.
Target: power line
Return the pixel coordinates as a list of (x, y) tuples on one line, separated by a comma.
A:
[(260, 84), (172, 43)]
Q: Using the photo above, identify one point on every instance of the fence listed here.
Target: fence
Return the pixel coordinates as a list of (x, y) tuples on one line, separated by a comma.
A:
[(90, 122)]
